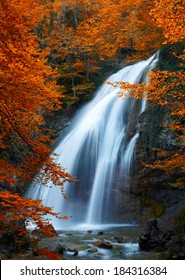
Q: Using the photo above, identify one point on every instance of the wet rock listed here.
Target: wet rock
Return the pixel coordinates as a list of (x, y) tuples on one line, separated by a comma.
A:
[(152, 237), (144, 244), (117, 247), (151, 225), (92, 250), (75, 254), (171, 244), (78, 247), (119, 239), (34, 240), (103, 244), (71, 252), (59, 249)]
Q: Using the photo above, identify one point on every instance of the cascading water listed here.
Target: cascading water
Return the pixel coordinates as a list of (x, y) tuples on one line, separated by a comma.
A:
[(98, 150)]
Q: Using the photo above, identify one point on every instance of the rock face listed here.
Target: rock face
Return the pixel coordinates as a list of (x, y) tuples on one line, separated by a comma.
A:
[(59, 249), (171, 244), (175, 248), (152, 237), (153, 194), (93, 250), (158, 194), (11, 243)]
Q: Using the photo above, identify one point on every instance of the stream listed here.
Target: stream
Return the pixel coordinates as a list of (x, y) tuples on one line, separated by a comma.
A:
[(123, 238)]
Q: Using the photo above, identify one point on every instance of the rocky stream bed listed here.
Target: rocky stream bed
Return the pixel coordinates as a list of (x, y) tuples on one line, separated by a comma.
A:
[(110, 244), (105, 242)]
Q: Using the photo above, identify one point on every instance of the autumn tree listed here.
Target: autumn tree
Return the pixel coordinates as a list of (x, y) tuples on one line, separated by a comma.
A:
[(166, 87), (28, 91), (169, 15), (75, 63), (116, 25), (84, 36)]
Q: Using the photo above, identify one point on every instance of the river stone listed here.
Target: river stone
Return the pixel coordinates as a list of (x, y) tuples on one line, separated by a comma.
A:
[(79, 247), (58, 249), (152, 237), (103, 244), (75, 254), (119, 239), (92, 250), (117, 247)]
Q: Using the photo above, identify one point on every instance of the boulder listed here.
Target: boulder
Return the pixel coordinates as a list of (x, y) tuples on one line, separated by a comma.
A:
[(75, 254), (103, 244), (100, 233), (119, 239), (58, 249), (92, 250), (152, 237)]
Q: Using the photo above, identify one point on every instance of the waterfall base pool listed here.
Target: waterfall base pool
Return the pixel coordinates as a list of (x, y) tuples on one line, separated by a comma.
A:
[(82, 244)]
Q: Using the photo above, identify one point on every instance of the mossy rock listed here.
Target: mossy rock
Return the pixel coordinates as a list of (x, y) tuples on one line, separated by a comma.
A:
[(157, 209)]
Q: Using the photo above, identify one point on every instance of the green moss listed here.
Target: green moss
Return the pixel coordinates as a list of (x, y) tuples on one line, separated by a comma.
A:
[(157, 209)]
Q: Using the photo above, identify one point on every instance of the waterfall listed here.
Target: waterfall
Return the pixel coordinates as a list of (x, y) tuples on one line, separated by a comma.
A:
[(98, 150)]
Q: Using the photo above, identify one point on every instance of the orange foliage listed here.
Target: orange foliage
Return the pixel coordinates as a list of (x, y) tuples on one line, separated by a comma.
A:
[(113, 25), (50, 255), (28, 90), (81, 35), (15, 208), (170, 16), (167, 89)]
